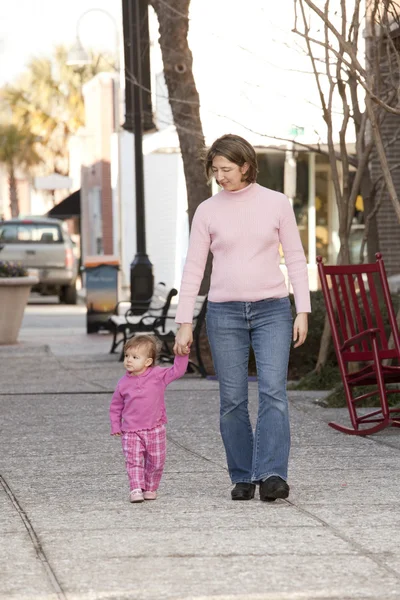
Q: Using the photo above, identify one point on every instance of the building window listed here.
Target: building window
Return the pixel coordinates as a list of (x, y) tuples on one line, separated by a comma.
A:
[(357, 228), (322, 181), (95, 220), (300, 201), (270, 170)]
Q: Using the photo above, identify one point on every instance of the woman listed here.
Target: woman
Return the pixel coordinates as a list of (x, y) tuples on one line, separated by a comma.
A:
[(244, 225)]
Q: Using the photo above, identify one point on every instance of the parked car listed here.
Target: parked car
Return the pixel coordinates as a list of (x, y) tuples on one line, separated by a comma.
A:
[(42, 244)]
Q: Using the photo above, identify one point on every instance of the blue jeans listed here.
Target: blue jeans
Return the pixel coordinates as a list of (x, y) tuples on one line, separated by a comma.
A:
[(266, 325)]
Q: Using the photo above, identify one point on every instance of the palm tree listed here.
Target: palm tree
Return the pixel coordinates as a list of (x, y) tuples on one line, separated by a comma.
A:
[(48, 100), (17, 149)]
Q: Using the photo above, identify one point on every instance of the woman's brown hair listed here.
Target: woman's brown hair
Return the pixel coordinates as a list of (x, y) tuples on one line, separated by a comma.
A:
[(237, 150)]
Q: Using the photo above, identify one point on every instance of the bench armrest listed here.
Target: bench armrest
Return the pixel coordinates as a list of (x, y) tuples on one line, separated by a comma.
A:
[(117, 306)]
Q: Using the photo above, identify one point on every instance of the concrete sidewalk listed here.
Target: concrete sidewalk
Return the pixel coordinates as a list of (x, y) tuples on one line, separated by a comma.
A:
[(68, 531)]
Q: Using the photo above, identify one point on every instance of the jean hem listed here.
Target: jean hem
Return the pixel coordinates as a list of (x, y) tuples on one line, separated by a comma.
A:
[(242, 481), (267, 476)]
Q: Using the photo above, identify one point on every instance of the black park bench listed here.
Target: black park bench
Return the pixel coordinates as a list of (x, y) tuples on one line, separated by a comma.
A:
[(165, 330), (123, 326)]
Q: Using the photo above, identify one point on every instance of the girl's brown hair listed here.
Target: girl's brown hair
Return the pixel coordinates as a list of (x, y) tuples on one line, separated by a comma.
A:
[(237, 150), (150, 342)]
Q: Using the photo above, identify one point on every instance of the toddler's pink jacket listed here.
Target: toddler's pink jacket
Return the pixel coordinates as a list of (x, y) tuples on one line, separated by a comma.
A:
[(138, 401)]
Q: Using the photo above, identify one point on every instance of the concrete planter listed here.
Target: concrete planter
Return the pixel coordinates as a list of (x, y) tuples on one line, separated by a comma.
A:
[(14, 294)]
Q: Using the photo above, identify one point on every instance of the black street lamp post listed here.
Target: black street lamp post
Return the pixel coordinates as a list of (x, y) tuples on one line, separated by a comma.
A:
[(141, 275)]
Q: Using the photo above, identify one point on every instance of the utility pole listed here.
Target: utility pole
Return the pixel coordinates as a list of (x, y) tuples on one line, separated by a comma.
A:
[(135, 20)]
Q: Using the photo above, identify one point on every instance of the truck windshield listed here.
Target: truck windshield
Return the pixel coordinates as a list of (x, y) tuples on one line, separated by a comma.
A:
[(30, 233)]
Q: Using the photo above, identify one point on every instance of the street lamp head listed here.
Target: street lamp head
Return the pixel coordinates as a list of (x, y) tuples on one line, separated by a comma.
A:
[(77, 56)]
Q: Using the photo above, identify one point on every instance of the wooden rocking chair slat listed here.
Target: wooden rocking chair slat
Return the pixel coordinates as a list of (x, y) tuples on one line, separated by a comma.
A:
[(356, 309), (347, 308), (359, 336), (364, 301), (377, 311), (339, 308)]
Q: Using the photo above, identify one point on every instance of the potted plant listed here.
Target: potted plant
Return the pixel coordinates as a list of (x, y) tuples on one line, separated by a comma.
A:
[(15, 285)]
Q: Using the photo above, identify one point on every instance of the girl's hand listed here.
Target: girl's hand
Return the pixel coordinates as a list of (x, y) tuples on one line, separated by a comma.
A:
[(114, 434), (300, 329), (183, 339)]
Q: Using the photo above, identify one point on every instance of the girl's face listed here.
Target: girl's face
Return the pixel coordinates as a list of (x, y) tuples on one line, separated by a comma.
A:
[(136, 360), (228, 174)]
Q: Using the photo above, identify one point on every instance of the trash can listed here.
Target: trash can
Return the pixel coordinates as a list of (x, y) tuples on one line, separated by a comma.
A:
[(101, 282)]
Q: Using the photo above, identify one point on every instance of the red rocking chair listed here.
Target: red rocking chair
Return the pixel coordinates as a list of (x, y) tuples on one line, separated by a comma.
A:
[(358, 333)]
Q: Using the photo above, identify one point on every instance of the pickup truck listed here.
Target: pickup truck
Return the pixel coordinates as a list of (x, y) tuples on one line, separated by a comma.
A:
[(43, 245)]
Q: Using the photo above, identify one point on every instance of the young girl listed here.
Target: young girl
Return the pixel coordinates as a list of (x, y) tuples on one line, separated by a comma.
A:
[(138, 414)]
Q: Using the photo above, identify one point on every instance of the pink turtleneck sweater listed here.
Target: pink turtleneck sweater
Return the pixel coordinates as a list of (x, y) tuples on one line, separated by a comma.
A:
[(243, 230)]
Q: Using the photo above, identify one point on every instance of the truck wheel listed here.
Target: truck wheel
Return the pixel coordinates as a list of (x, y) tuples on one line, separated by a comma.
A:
[(68, 294)]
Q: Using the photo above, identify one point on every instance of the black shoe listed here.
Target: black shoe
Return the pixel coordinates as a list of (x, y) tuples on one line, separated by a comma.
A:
[(243, 491), (272, 488)]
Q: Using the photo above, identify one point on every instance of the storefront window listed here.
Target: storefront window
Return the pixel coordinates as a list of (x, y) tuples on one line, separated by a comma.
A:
[(300, 202), (270, 170), (357, 229), (321, 212), (271, 175)]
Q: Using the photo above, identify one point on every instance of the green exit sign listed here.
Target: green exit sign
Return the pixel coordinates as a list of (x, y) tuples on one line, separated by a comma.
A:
[(296, 130)]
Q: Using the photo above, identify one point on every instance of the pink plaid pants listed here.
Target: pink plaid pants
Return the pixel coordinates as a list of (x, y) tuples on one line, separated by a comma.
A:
[(145, 453)]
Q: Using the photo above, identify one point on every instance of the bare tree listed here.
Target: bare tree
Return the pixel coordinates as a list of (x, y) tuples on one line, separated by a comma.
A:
[(379, 18), (173, 18), (335, 41)]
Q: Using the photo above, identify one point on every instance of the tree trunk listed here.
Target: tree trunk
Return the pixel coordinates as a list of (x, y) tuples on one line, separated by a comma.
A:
[(184, 100), (324, 346), (344, 250), (12, 184), (325, 343)]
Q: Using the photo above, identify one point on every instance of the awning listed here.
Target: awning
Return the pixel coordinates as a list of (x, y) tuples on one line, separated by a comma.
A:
[(67, 208)]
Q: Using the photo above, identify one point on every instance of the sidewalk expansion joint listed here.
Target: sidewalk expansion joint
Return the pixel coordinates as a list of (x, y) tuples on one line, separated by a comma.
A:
[(358, 547), (35, 540), (179, 445), (72, 371), (76, 393), (367, 438)]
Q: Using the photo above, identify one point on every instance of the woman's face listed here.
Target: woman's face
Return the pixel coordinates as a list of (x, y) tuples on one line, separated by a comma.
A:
[(228, 174)]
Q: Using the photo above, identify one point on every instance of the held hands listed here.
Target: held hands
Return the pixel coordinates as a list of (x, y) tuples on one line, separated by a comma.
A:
[(184, 336), (183, 339), (300, 329)]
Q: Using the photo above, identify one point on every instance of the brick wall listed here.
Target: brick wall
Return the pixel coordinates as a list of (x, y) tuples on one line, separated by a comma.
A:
[(388, 224)]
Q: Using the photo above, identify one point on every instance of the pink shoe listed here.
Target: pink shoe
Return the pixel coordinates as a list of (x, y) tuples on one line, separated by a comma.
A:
[(150, 495), (136, 495)]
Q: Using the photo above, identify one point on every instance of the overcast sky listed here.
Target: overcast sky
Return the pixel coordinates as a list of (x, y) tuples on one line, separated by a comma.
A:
[(33, 27)]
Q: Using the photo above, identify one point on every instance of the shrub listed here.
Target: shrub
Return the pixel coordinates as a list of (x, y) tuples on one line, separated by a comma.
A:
[(303, 359), (11, 269)]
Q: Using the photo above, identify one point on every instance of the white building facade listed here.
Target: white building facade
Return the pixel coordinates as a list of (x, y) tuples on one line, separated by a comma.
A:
[(254, 80)]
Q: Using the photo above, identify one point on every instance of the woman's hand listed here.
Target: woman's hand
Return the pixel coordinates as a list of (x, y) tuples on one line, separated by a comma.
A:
[(183, 339), (300, 329)]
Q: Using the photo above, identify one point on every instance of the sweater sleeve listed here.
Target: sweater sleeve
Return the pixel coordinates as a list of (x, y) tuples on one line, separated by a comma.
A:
[(295, 259), (178, 370), (199, 245), (116, 407)]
